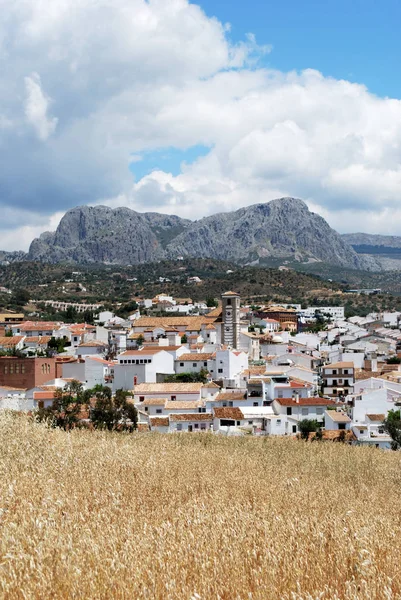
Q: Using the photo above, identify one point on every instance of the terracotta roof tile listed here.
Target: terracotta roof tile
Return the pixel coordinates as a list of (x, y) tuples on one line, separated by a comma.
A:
[(159, 421), (305, 402), (169, 388), (192, 417), (234, 413)]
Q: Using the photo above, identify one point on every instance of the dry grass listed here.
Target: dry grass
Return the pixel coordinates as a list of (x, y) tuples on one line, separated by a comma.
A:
[(93, 515)]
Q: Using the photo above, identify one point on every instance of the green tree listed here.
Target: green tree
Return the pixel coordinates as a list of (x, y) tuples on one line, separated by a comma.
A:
[(393, 360), (392, 425), (112, 413), (184, 339), (211, 302), (139, 340), (307, 426), (70, 314), (20, 297), (67, 405)]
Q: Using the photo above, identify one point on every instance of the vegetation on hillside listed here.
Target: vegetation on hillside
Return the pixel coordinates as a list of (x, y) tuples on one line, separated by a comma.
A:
[(118, 288), (173, 517)]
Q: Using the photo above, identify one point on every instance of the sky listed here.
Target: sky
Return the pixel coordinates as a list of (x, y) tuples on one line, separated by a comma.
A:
[(193, 109)]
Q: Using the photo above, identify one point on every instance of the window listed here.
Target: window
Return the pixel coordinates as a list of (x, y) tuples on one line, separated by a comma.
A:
[(278, 422), (11, 369), (228, 301), (294, 429), (159, 411), (17, 369), (141, 398), (335, 392), (250, 422), (334, 382), (203, 426), (319, 411), (181, 364), (231, 403), (196, 425), (381, 430), (202, 409), (289, 410), (305, 411), (334, 371), (205, 364), (173, 398), (224, 404), (194, 364), (256, 404), (219, 370), (346, 382), (341, 426), (179, 427), (361, 431), (238, 423), (146, 408), (345, 371)]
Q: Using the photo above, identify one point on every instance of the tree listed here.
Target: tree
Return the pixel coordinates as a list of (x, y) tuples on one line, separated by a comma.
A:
[(112, 413), (70, 314), (392, 425), (139, 340), (188, 377), (58, 344), (211, 302), (393, 360), (67, 405), (184, 339), (307, 426), (21, 297)]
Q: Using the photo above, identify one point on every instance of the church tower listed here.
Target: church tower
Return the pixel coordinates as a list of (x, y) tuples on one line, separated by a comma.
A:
[(231, 319)]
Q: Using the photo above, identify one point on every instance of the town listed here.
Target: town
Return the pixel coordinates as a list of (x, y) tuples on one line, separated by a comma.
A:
[(234, 369)]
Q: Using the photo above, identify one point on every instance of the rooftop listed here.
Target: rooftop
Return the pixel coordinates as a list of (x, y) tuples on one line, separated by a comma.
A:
[(192, 417), (179, 388), (305, 402), (234, 413), (376, 417), (338, 417)]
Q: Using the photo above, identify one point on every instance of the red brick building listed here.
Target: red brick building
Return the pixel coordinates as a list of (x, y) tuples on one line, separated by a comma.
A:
[(26, 372)]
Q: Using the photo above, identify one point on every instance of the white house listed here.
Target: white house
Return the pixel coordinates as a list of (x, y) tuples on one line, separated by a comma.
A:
[(141, 366), (169, 391), (194, 362), (338, 379)]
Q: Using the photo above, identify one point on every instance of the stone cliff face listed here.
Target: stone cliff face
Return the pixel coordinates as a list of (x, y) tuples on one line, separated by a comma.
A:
[(280, 228), (101, 234)]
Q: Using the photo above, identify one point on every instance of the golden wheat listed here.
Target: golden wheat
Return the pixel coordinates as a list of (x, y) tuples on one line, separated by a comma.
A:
[(101, 515)]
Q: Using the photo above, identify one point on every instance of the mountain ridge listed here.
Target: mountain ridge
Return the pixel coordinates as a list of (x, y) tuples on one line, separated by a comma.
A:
[(283, 228)]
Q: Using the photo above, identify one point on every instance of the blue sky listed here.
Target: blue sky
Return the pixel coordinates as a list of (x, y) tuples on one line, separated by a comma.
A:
[(358, 40)]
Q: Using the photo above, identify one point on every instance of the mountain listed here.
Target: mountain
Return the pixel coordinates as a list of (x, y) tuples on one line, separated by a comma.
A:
[(12, 257), (368, 239), (101, 234), (283, 228)]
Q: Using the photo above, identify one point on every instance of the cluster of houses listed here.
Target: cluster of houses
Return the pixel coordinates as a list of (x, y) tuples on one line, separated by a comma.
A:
[(232, 370)]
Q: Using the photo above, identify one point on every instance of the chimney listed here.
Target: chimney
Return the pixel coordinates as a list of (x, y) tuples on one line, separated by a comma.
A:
[(297, 398)]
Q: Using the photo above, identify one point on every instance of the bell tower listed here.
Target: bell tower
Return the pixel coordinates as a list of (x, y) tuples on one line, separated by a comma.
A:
[(231, 319)]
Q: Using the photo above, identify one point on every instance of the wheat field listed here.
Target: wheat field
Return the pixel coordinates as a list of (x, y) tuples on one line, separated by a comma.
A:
[(102, 515)]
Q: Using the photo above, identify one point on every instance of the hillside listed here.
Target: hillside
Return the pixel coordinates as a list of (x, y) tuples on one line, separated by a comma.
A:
[(174, 517), (282, 228), (368, 239)]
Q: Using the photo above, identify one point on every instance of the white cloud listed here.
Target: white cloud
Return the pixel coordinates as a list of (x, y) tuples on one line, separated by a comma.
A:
[(36, 107), (126, 77)]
